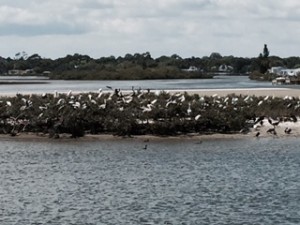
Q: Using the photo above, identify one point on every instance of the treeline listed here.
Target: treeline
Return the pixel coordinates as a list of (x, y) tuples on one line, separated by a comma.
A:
[(137, 66)]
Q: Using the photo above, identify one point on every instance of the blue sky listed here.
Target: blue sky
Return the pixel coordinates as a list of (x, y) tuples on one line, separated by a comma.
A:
[(162, 27)]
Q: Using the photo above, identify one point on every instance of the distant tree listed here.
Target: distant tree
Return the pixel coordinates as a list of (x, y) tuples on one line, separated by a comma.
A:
[(215, 55), (34, 57), (266, 51), (263, 61)]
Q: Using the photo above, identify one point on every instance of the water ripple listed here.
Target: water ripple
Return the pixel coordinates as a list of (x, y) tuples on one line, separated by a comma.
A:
[(217, 182)]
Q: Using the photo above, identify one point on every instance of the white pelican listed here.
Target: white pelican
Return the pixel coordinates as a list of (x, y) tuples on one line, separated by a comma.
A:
[(189, 110), (197, 117), (260, 102)]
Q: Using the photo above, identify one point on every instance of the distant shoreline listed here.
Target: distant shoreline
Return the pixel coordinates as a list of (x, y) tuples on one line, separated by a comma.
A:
[(22, 82)]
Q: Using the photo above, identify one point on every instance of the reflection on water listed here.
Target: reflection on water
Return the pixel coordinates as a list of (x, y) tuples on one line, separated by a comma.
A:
[(180, 182)]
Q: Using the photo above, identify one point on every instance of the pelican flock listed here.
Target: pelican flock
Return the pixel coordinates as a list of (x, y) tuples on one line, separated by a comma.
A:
[(139, 112)]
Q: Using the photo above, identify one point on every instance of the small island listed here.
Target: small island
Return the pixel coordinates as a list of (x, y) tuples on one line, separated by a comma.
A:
[(146, 112)]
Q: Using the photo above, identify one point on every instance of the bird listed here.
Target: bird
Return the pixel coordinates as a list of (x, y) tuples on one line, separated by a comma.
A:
[(257, 134), (260, 102), (273, 123), (109, 87), (145, 147), (197, 117), (69, 93), (272, 131), (287, 130), (189, 110)]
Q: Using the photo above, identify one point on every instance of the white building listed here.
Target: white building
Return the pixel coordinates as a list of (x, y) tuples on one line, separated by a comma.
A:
[(192, 69), (276, 69), (290, 72), (282, 71)]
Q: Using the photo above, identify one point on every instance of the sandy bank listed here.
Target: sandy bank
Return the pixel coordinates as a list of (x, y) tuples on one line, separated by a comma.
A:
[(276, 92), (262, 130)]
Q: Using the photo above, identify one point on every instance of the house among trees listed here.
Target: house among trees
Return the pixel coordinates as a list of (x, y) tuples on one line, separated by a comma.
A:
[(225, 68), (285, 76), (21, 72), (192, 69), (282, 71)]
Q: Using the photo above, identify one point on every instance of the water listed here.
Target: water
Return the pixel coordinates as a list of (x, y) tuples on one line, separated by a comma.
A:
[(219, 82), (254, 181)]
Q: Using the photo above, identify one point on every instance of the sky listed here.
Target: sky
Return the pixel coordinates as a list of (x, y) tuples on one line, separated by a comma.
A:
[(55, 28)]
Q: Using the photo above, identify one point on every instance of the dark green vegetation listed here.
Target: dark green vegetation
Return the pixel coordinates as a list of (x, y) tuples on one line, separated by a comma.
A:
[(142, 66), (138, 113)]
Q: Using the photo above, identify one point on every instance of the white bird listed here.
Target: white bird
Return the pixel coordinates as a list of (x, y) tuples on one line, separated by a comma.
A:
[(147, 108), (55, 94), (247, 98), (76, 105), (93, 101), (189, 110), (197, 117), (127, 99), (100, 93), (60, 101), (182, 98), (171, 102), (22, 108), (8, 103), (260, 102), (103, 106), (154, 101)]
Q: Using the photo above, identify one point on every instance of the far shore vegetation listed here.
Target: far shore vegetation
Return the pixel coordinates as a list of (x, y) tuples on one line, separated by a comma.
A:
[(143, 66)]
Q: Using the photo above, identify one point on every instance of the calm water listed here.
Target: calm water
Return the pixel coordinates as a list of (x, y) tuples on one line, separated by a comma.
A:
[(219, 82), (255, 181)]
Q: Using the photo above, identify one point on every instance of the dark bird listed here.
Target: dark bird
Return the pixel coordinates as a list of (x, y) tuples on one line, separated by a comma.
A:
[(109, 87), (259, 120), (270, 121), (273, 123), (145, 147), (294, 118), (287, 130), (257, 134), (272, 131)]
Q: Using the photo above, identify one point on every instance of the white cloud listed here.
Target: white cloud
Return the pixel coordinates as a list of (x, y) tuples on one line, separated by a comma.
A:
[(117, 27)]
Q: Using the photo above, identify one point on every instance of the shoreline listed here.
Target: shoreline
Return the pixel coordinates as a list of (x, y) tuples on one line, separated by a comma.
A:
[(65, 138)]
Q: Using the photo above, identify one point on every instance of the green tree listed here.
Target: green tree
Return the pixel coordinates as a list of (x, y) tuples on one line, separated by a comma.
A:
[(263, 61), (266, 51)]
